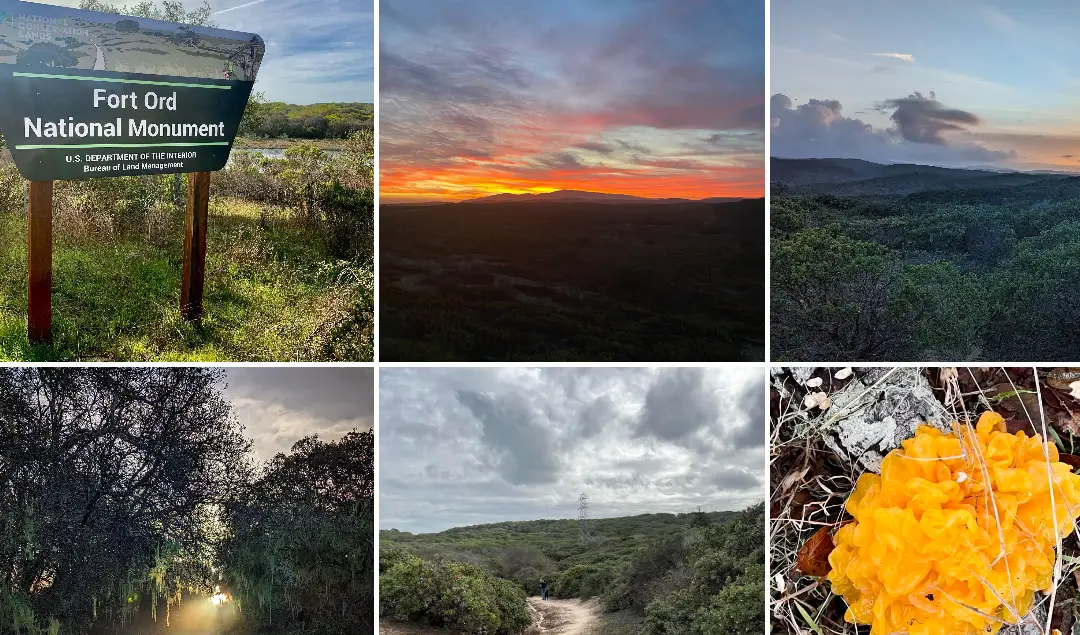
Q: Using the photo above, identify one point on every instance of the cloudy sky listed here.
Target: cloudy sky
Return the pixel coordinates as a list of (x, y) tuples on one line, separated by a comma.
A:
[(280, 406), (652, 98), (964, 82), (315, 52), (471, 446)]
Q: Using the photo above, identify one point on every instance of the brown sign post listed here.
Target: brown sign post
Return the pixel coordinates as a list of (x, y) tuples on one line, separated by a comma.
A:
[(194, 272), (39, 296)]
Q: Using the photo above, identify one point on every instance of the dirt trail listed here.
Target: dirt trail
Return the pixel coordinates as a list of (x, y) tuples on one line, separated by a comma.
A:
[(563, 617), (550, 617)]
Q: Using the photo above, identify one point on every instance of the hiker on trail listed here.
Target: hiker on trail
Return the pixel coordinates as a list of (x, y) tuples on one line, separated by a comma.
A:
[(543, 590)]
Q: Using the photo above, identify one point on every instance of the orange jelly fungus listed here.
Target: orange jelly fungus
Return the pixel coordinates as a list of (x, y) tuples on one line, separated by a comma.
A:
[(956, 535)]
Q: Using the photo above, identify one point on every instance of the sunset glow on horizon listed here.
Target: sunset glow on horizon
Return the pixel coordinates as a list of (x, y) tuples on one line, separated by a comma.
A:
[(660, 99)]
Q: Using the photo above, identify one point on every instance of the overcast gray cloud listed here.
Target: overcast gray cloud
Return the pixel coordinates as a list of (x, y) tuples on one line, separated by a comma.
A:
[(819, 129), (281, 405), (470, 446)]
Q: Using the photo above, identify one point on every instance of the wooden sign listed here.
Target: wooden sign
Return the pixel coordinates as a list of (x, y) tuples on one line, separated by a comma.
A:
[(92, 95)]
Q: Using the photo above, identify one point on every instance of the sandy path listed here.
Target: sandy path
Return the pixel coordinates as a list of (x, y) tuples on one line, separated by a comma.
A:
[(551, 617), (563, 617), (99, 63)]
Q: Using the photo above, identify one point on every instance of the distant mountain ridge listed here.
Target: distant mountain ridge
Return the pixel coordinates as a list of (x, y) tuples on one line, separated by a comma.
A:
[(855, 177), (580, 196)]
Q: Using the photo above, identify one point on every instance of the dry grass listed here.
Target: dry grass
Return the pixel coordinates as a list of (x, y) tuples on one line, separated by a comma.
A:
[(810, 484)]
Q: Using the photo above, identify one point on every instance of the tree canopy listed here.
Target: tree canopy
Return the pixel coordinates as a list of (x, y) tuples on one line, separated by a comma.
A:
[(125, 491)]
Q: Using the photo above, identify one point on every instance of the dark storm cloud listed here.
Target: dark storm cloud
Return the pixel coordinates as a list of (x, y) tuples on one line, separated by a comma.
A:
[(461, 446), (925, 120), (520, 442), (281, 405), (732, 478), (819, 129), (677, 406), (595, 416), (751, 432)]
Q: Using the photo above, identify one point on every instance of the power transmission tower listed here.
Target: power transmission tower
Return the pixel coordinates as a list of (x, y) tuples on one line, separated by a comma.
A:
[(583, 517)]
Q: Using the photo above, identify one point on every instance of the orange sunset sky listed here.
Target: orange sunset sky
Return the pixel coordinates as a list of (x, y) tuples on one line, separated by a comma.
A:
[(657, 99)]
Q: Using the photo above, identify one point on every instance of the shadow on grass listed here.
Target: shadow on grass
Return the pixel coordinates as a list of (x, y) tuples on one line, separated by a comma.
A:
[(270, 287)]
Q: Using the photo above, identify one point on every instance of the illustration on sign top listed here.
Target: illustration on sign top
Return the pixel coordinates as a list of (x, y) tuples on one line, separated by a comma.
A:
[(44, 36)]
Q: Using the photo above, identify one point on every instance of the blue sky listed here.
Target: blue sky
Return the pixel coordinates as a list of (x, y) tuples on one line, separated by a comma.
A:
[(1003, 75), (646, 97), (315, 51)]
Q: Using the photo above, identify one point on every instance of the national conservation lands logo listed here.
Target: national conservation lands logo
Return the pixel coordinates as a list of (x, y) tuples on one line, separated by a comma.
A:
[(37, 27)]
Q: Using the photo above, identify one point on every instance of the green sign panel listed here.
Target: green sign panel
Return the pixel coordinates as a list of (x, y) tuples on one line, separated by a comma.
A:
[(90, 95)]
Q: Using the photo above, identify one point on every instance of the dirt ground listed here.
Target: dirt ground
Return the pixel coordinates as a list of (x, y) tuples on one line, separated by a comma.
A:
[(563, 617), (550, 617)]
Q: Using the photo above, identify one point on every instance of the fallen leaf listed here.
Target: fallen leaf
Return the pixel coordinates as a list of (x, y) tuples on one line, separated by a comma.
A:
[(814, 555), (1062, 410), (1018, 406), (1074, 389), (813, 382), (780, 585), (843, 373), (791, 480), (947, 374)]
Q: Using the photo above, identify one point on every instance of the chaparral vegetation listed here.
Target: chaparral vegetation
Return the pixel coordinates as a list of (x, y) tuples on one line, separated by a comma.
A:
[(657, 574)]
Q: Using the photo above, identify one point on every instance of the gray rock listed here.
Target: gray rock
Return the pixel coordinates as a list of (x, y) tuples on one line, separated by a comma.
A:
[(802, 373), (881, 407)]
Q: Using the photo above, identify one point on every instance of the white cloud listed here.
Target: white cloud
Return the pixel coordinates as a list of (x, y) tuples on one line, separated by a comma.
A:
[(279, 406), (907, 57), (468, 446)]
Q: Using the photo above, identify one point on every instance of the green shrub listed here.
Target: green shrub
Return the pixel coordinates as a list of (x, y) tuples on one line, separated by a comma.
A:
[(582, 581), (389, 555), (568, 583), (595, 582), (655, 560), (452, 594), (350, 221), (529, 580)]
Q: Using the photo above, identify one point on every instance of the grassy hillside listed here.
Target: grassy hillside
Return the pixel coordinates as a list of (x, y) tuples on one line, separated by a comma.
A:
[(930, 264), (288, 266), (654, 574)]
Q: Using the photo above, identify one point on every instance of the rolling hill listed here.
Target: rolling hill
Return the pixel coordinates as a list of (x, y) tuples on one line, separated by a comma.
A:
[(578, 196), (855, 177)]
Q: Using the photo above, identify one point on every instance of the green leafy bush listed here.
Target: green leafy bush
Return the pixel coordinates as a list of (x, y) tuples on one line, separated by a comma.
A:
[(301, 539), (452, 594), (350, 221)]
